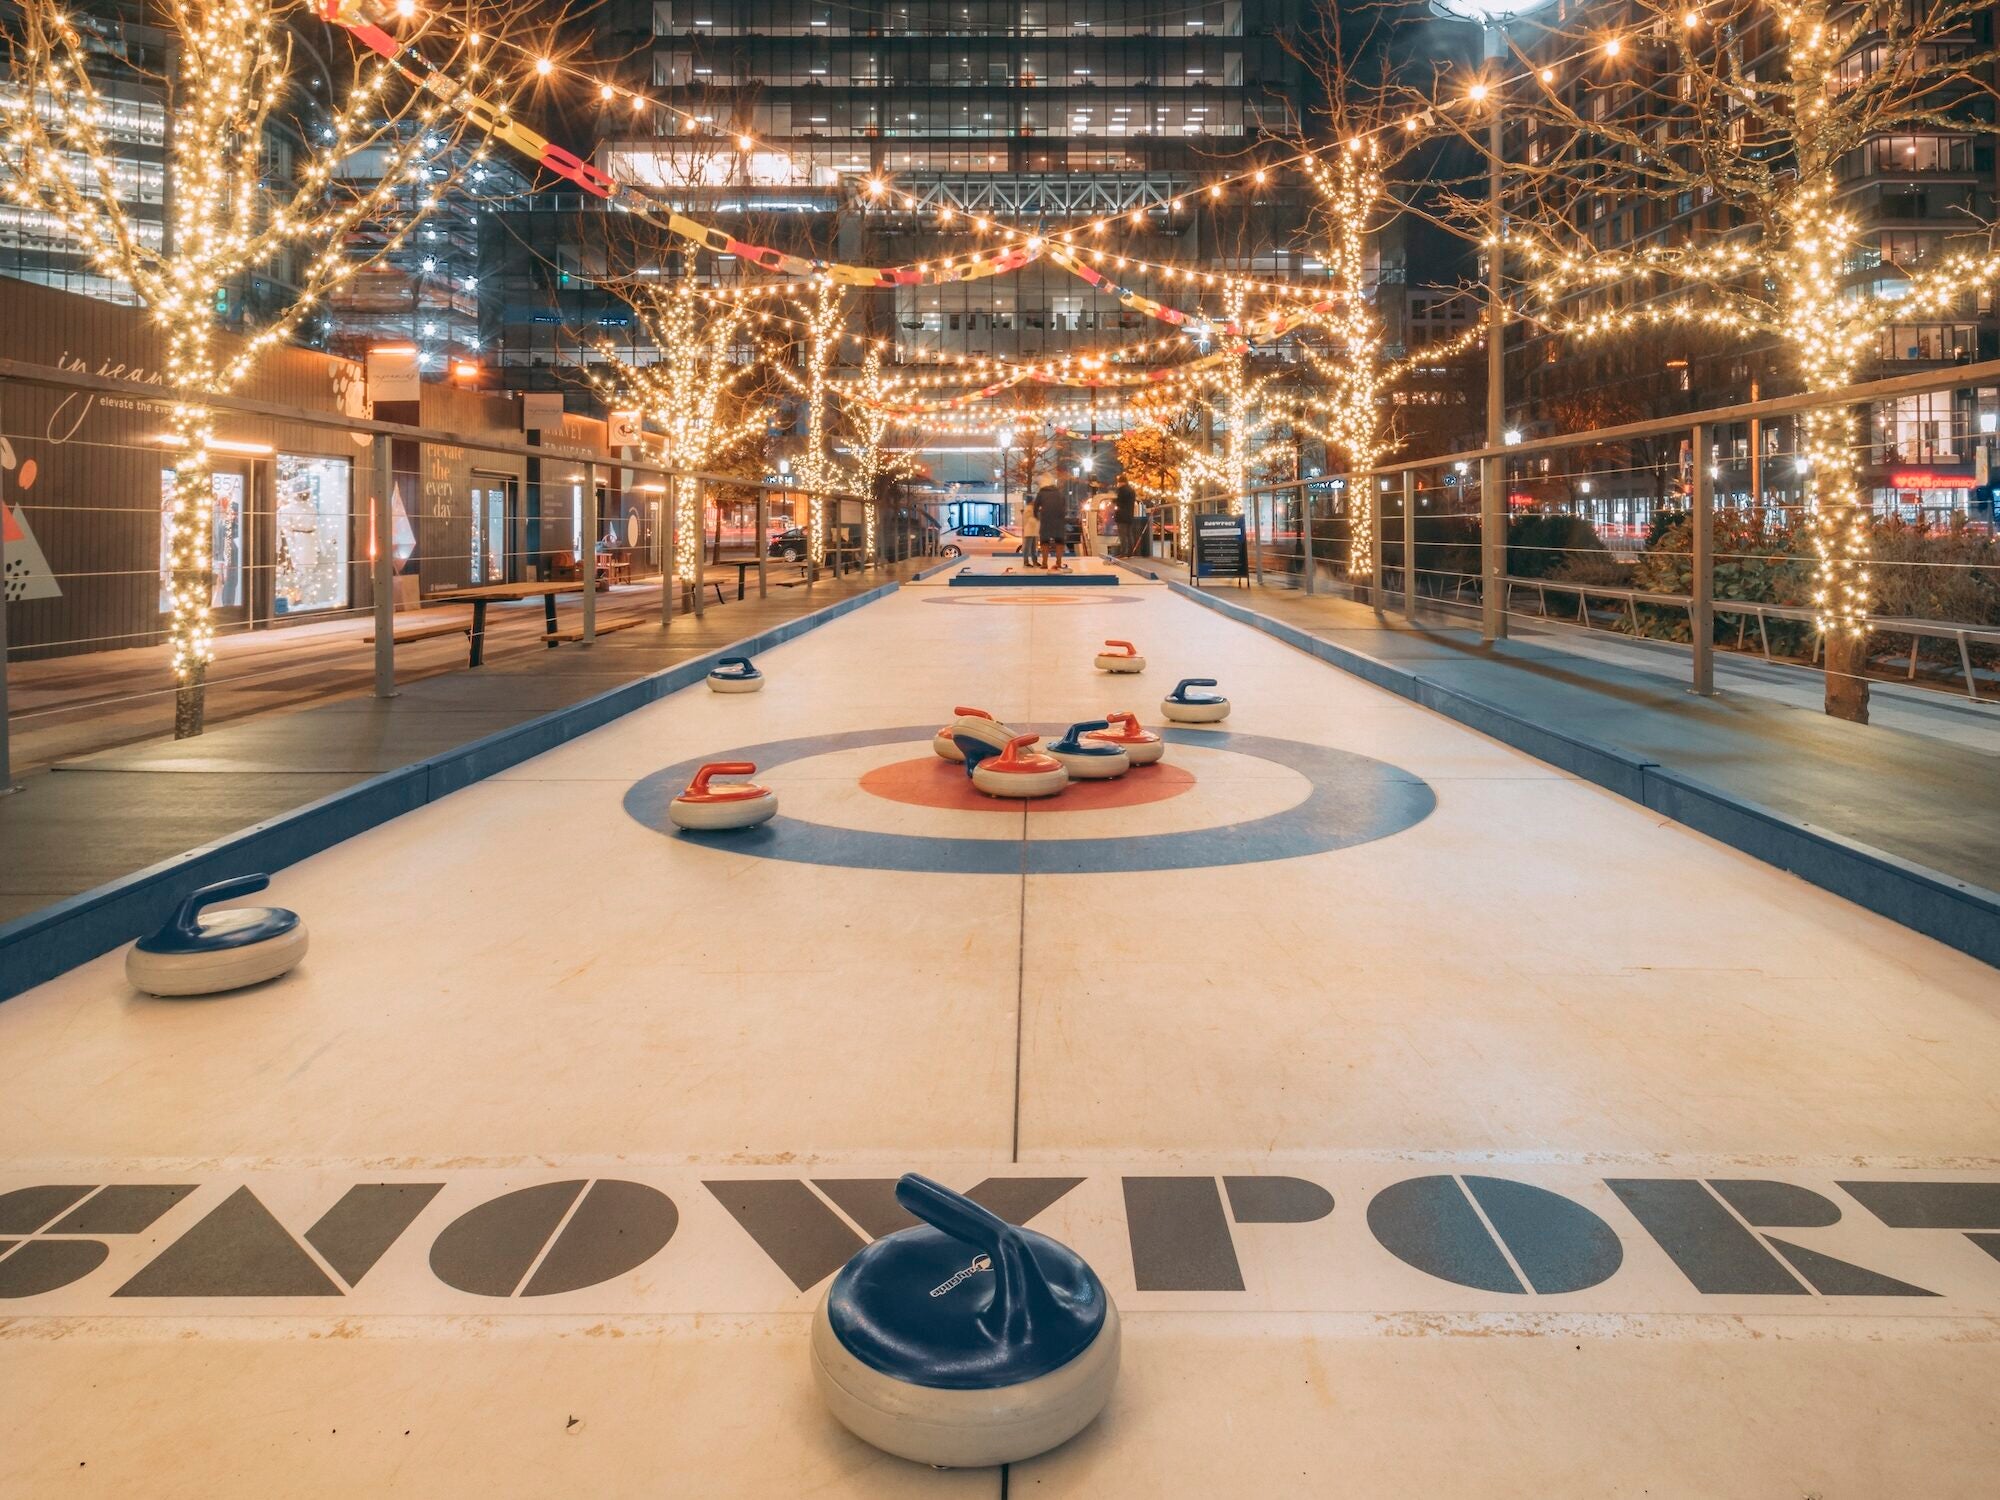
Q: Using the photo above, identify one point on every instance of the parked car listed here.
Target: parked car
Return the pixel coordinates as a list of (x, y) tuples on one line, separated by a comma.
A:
[(976, 540), (791, 544)]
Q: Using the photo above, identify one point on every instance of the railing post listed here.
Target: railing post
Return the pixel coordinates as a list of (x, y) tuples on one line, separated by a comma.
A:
[(1257, 532), (1701, 609), (587, 553), (6, 762), (1492, 550), (763, 543), (669, 557), (1306, 534), (1410, 545), (385, 570), (1375, 541), (700, 541)]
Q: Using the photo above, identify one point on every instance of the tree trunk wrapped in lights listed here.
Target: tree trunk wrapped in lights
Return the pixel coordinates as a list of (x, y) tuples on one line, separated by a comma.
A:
[(871, 421), (225, 221), (817, 472), (1696, 120), (693, 395)]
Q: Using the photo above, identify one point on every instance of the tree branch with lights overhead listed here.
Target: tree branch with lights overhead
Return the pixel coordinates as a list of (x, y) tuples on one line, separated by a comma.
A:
[(225, 98), (1672, 109)]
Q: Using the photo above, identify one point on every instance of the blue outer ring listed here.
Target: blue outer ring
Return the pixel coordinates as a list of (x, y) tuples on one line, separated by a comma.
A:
[(1354, 800)]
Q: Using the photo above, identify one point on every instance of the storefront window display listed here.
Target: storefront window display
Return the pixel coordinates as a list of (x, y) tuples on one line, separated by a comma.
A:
[(314, 499), (226, 543)]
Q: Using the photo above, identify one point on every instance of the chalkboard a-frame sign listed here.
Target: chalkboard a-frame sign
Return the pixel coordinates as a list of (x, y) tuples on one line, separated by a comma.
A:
[(1220, 550)]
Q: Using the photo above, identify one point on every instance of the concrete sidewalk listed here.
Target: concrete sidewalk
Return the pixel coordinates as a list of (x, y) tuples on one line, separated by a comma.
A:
[(1931, 802), (93, 819)]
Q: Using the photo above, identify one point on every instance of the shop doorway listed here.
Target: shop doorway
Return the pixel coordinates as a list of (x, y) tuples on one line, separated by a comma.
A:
[(494, 516)]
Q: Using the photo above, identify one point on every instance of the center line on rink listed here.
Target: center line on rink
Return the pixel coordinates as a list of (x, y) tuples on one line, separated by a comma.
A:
[(1020, 982)]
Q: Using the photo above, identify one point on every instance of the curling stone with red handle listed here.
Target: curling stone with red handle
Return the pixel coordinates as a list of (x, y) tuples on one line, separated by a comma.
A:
[(1120, 657), (1016, 771), (706, 808), (1141, 746)]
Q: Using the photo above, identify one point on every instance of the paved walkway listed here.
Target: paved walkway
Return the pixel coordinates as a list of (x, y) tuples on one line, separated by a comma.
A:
[(93, 818), (1931, 800)]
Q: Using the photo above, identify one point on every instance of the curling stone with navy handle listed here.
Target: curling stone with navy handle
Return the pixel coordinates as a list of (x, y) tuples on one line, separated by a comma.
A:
[(205, 953), (1184, 705), (735, 674), (966, 1341), (1088, 759)]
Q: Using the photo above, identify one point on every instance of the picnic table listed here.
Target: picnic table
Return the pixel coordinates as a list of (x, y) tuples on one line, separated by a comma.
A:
[(743, 565), (481, 595)]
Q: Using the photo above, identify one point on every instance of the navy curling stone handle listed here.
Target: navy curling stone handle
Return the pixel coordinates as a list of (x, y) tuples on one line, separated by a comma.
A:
[(966, 1301), (1180, 692), (736, 661), (974, 752), (1072, 742), (184, 932)]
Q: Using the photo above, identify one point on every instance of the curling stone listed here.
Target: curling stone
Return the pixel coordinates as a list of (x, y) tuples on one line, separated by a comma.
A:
[(196, 954), (736, 804), (1087, 759), (735, 674), (1185, 707), (1016, 771), (966, 1341), (970, 723), (1141, 746), (1124, 659)]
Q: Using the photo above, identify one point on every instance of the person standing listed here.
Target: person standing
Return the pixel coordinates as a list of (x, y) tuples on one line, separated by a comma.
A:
[(1125, 510), (1087, 526), (1051, 522)]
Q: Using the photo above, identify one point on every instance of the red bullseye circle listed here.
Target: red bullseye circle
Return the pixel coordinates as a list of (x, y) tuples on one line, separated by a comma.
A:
[(931, 782)]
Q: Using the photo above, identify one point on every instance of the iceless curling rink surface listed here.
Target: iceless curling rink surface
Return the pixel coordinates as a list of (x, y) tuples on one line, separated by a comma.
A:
[(1443, 1126)]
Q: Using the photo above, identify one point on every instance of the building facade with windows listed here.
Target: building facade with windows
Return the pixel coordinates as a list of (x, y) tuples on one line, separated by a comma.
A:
[(1039, 116)]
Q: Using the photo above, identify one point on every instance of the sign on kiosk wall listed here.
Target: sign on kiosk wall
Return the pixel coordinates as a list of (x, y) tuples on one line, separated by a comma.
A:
[(1220, 550), (541, 411), (392, 373), (626, 430)]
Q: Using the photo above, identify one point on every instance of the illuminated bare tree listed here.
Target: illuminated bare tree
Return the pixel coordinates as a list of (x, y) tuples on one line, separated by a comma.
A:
[(230, 83), (1686, 107)]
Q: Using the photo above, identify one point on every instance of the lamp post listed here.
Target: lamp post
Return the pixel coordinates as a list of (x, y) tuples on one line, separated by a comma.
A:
[(1492, 16), (1006, 440)]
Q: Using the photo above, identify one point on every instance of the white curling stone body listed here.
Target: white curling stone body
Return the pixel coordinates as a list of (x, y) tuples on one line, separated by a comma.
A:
[(965, 1429), (1019, 783), (1195, 713), (1122, 666), (218, 969), (1145, 752), (720, 684), (737, 812), (1093, 767)]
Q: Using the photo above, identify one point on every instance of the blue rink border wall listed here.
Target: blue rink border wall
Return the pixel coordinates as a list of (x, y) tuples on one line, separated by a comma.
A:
[(1955, 912), (57, 938)]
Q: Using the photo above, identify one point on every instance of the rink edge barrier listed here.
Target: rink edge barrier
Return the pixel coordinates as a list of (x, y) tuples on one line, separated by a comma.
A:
[(54, 940), (1956, 913)]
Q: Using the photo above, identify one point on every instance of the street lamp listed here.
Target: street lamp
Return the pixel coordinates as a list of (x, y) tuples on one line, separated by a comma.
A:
[(1491, 17), (1006, 439)]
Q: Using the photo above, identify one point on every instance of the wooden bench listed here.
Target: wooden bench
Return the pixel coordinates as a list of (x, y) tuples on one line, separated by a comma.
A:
[(606, 627), (423, 632)]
